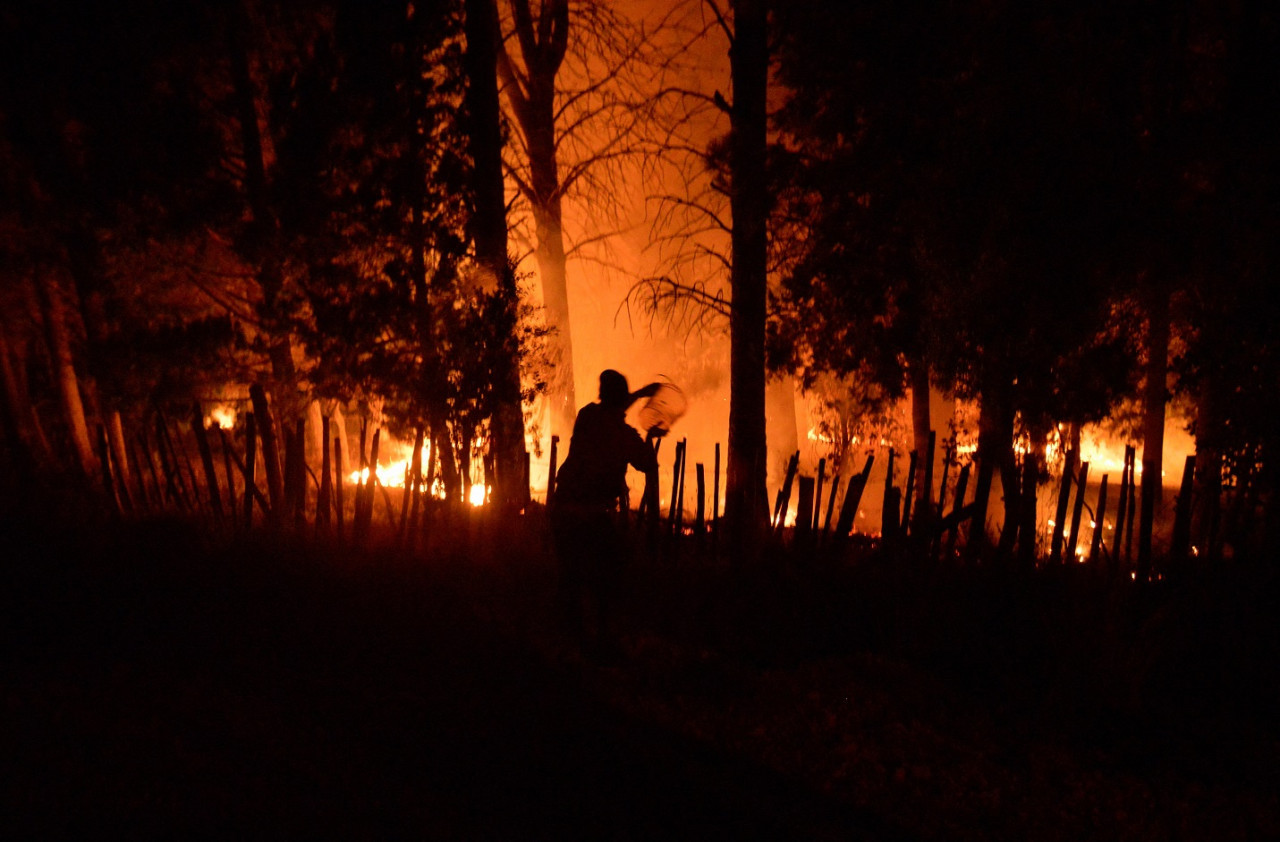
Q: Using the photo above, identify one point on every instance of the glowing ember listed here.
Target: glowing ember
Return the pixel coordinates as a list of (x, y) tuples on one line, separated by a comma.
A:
[(390, 475), (395, 472), (222, 415), (815, 435)]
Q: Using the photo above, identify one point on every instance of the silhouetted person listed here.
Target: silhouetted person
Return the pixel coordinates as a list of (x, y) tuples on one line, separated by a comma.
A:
[(589, 540)]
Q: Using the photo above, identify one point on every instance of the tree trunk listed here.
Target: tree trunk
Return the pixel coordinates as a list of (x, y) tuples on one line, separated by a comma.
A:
[(921, 424), (87, 275), (120, 456), (270, 451), (1011, 482), (489, 231), (442, 446), (748, 454), (561, 394), (1207, 497), (316, 437), (342, 455), (542, 41), (782, 436), (1026, 512), (1155, 395), (550, 254), (263, 248), (995, 438)]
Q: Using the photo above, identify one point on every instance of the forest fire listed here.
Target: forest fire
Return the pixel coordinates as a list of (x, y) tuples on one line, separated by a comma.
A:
[(919, 366), (222, 416), (388, 302), (396, 473)]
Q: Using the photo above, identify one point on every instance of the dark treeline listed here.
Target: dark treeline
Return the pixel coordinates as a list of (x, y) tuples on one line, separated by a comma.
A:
[(1066, 212)]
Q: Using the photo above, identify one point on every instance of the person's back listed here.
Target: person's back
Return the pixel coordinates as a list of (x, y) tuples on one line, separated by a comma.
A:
[(589, 544), (603, 445)]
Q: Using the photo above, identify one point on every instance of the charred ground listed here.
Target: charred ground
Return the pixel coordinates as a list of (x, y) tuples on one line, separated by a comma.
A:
[(160, 680)]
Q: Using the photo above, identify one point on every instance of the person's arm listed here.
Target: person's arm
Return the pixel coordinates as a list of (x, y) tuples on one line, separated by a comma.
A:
[(644, 392), (640, 454)]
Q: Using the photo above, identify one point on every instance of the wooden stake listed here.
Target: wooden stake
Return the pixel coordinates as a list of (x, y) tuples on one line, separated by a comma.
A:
[(831, 505), (1180, 544), (715, 498), (300, 466), (701, 511), (386, 499), (957, 508), (230, 477), (206, 461), (675, 486), (338, 486), (187, 486), (552, 467), (650, 503), (1060, 517), (684, 461), (784, 495), (817, 493), (1122, 509), (411, 473), (364, 509), (324, 497), (926, 486), (1099, 520), (123, 473), (1133, 505), (942, 486), (373, 477), (252, 493), (270, 450), (1027, 512), (889, 517), (289, 497), (361, 480), (804, 509), (852, 497), (908, 494), (1082, 482), (148, 499), (145, 445), (104, 462), (415, 489), (169, 464), (526, 487), (250, 466), (189, 468)]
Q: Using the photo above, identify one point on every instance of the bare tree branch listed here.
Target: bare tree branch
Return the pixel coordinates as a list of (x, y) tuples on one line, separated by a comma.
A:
[(725, 26), (686, 308)]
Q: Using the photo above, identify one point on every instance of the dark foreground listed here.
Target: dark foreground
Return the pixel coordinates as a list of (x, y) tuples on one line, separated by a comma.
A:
[(160, 683)]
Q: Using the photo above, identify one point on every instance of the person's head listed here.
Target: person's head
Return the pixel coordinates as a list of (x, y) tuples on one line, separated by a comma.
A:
[(614, 391)]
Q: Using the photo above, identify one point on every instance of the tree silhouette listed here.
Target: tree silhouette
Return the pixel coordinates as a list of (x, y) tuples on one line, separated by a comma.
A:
[(489, 233), (583, 84), (745, 478), (953, 189)]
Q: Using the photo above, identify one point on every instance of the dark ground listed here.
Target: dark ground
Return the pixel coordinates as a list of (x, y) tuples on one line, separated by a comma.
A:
[(158, 682)]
